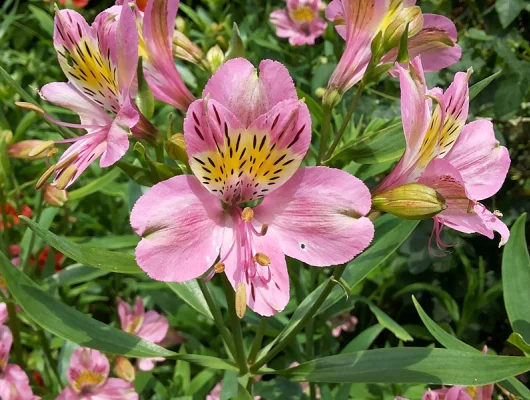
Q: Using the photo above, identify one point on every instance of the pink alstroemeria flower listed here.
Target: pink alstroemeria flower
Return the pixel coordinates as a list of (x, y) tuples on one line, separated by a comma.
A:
[(14, 383), (300, 23), (343, 323), (245, 140), (88, 376), (3, 313), (148, 325), (359, 22), (463, 162), (156, 48), (100, 63)]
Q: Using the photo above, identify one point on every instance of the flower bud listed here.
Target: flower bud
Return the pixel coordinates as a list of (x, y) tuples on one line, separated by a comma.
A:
[(6, 136), (215, 58), (320, 92), (23, 148), (332, 97), (180, 24), (176, 148), (410, 201), (55, 197), (185, 49), (411, 15), (124, 369)]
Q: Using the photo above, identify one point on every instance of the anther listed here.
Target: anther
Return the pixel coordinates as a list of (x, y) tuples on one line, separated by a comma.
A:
[(247, 214), (241, 300), (219, 267), (49, 172), (66, 177), (29, 106), (264, 229), (67, 161), (498, 214), (262, 259), (52, 152), (41, 148)]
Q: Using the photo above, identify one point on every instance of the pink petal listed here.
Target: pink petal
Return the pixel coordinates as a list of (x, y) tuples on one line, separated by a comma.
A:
[(237, 86), (182, 225), (125, 314), (480, 159), (6, 340), (485, 392), (87, 360), (14, 384), (457, 393), (115, 389), (298, 34), (66, 95), (160, 70), (335, 14), (268, 291), (154, 327), (127, 46), (318, 216), (147, 364), (3, 313), (70, 394)]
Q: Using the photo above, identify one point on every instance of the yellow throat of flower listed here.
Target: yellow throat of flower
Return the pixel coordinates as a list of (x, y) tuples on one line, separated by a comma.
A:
[(303, 15), (472, 391), (88, 380)]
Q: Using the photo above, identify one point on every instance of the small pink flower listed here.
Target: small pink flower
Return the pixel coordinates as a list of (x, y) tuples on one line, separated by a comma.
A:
[(99, 61), (88, 376), (359, 22), (300, 22), (14, 383), (463, 162), (3, 313), (343, 323), (245, 140), (148, 325)]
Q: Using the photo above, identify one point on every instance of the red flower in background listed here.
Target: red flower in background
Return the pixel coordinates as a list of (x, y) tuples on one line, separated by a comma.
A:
[(12, 215)]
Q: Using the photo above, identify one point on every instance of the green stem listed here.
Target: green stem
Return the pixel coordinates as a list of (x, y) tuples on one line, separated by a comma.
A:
[(52, 364), (235, 322), (159, 150), (346, 121), (303, 321), (309, 332), (324, 136), (256, 345), (24, 264), (12, 319), (218, 317), (5, 236)]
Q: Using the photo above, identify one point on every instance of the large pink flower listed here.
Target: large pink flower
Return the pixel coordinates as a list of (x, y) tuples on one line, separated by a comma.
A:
[(359, 22), (245, 140), (148, 325), (14, 383), (300, 22), (88, 376), (463, 162), (100, 63)]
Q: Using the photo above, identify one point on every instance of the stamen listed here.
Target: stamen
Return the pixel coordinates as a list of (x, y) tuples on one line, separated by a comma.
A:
[(65, 177), (241, 300), (41, 148), (52, 152), (264, 229), (67, 161), (262, 259), (247, 215), (49, 172), (219, 268), (498, 214), (29, 106)]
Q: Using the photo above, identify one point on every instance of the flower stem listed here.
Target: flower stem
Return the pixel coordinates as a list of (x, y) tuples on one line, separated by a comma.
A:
[(303, 321), (324, 136), (256, 345), (218, 317), (52, 364), (241, 359), (346, 121), (5, 233), (12, 319), (24, 263)]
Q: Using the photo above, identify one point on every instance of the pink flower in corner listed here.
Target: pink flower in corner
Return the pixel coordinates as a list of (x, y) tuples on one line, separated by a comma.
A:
[(300, 22), (14, 383), (3, 313), (245, 140), (88, 377), (149, 325), (99, 61), (360, 21), (463, 162)]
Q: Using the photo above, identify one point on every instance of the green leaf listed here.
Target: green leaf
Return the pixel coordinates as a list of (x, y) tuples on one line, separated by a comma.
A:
[(387, 322), (144, 98), (45, 20), (384, 145), (315, 109), (95, 186), (518, 341), (451, 342), (410, 365), (516, 279), (71, 275), (363, 340), (236, 47), (190, 293), (508, 10), (403, 49), (449, 303), (481, 85), (69, 324), (111, 261)]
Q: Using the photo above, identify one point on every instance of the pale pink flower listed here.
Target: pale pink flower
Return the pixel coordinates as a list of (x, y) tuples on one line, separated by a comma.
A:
[(245, 140), (300, 22), (343, 323), (463, 162), (148, 325), (14, 382), (3, 313), (99, 61), (359, 22), (157, 52), (88, 377)]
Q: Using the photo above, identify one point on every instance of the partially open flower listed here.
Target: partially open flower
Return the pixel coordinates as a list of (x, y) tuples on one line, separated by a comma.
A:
[(55, 197), (124, 369), (215, 58)]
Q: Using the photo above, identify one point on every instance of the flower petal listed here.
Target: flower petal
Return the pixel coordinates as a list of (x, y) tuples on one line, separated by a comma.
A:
[(318, 216), (127, 44), (125, 314), (182, 225), (3, 313), (115, 389), (237, 86), (154, 327), (14, 384), (335, 14), (88, 369), (159, 67), (6, 341), (480, 159), (147, 364)]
